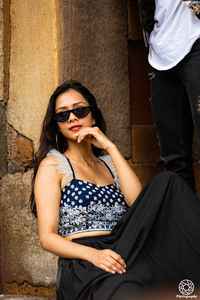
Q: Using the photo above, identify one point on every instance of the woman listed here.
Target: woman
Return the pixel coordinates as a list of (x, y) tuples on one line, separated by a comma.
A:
[(107, 250)]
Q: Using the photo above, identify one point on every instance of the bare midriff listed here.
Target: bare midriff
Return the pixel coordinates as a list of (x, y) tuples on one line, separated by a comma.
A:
[(86, 234)]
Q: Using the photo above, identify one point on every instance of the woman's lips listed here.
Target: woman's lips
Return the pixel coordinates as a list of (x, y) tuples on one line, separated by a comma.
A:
[(75, 128)]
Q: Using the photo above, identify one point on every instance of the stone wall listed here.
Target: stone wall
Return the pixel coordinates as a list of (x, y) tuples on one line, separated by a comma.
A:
[(3, 150), (26, 266), (29, 72), (34, 70), (44, 43), (95, 52), (3, 164)]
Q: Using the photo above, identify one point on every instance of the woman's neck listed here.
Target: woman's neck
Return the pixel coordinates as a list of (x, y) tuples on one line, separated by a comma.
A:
[(80, 152)]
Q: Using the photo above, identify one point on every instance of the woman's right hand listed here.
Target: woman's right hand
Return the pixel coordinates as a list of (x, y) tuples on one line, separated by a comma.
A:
[(108, 261)]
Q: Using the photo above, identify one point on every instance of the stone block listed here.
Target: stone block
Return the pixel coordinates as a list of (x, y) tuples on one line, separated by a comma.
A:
[(15, 297), (145, 147), (1, 77), (6, 46), (134, 25), (197, 177), (28, 289), (1, 52), (34, 69), (23, 259), (3, 145), (95, 52), (20, 149), (196, 148), (14, 167), (146, 171)]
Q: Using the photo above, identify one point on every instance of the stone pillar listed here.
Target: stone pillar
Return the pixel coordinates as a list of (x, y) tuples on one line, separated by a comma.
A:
[(34, 70), (95, 52), (3, 99), (29, 72), (3, 147)]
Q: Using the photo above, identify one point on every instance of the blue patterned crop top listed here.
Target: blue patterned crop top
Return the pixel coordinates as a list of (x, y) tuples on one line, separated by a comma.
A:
[(86, 206)]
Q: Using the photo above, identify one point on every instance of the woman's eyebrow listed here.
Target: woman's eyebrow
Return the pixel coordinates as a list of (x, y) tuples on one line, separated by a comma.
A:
[(75, 104)]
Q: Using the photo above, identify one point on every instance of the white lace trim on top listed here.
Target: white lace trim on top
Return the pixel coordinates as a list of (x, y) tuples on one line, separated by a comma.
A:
[(107, 159), (63, 167)]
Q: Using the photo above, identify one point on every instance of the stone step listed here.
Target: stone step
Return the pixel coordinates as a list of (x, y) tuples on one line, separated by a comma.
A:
[(23, 297)]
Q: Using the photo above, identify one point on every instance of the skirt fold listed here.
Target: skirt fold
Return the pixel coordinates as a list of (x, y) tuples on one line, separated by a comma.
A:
[(159, 239)]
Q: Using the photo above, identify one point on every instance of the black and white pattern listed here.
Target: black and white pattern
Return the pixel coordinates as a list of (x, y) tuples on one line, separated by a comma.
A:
[(86, 206)]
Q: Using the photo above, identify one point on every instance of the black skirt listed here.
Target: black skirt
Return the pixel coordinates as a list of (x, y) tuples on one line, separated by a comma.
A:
[(159, 239)]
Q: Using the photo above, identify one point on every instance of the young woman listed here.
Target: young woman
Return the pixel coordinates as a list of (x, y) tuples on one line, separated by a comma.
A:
[(113, 240)]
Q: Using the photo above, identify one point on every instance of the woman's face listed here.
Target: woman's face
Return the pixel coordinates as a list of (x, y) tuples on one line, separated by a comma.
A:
[(69, 100)]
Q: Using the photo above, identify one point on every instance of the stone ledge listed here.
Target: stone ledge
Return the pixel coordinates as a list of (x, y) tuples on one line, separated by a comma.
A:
[(14, 297)]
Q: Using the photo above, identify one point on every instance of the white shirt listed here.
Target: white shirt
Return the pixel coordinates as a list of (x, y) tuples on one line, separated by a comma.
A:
[(175, 31)]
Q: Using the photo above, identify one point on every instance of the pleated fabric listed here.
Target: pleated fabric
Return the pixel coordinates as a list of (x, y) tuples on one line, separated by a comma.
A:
[(159, 239)]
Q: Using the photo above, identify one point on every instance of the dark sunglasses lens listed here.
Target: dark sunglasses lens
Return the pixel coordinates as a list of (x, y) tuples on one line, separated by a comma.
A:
[(79, 112), (62, 116), (82, 112)]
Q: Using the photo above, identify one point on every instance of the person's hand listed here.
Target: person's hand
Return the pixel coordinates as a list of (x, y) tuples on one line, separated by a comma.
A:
[(95, 136), (108, 261)]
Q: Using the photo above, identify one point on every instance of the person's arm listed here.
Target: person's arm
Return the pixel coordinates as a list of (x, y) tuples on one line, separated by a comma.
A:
[(47, 194), (129, 182)]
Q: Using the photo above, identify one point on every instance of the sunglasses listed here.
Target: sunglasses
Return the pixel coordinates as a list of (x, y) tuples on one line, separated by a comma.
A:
[(79, 112)]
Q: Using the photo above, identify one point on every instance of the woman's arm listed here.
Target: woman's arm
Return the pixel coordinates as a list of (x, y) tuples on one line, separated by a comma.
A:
[(129, 182), (47, 194)]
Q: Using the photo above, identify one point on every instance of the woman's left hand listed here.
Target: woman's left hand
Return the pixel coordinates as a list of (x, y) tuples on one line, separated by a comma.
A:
[(95, 136)]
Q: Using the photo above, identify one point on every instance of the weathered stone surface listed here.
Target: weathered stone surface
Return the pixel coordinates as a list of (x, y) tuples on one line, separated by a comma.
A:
[(145, 147), (134, 25), (1, 288), (22, 257), (10, 297), (3, 145), (196, 149), (1, 52), (20, 148), (95, 52), (33, 64), (146, 171), (197, 177), (6, 46), (14, 167), (28, 289)]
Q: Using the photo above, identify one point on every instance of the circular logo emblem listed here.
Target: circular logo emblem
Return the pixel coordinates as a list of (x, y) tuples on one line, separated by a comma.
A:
[(186, 287)]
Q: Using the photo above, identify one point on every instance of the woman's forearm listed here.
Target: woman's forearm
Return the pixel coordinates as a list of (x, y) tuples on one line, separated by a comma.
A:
[(62, 247), (105, 259), (129, 182)]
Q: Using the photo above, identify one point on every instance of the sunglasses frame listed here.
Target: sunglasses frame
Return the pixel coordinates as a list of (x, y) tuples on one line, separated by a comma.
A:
[(72, 111)]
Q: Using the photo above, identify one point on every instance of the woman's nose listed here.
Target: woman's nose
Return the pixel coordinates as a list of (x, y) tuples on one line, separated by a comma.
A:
[(72, 117)]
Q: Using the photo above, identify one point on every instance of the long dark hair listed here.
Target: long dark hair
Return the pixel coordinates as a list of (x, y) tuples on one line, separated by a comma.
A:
[(51, 137)]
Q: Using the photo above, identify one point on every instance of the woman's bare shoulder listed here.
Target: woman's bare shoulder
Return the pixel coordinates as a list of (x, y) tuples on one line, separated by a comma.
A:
[(48, 165), (49, 161)]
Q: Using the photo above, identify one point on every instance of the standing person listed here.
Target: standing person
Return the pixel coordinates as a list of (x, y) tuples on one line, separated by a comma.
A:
[(113, 240), (172, 30)]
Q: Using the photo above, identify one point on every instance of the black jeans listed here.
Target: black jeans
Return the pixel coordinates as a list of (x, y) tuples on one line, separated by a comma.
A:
[(176, 112)]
